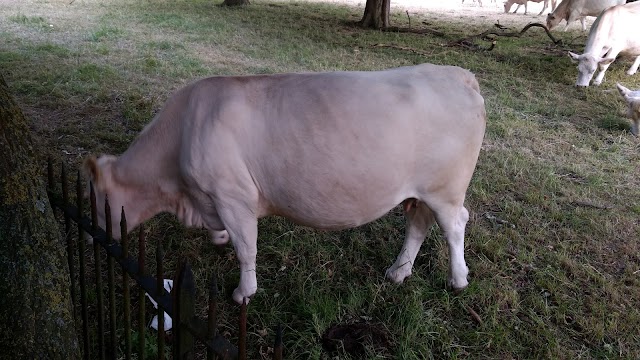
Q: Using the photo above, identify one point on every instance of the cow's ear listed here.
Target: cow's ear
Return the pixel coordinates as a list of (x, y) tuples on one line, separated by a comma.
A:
[(91, 169), (605, 61), (574, 56), (623, 90)]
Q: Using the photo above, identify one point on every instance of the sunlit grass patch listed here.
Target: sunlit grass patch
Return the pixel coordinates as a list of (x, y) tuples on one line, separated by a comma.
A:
[(105, 33), (34, 22)]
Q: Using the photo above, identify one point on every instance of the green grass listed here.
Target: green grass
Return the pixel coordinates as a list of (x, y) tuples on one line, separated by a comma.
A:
[(552, 243)]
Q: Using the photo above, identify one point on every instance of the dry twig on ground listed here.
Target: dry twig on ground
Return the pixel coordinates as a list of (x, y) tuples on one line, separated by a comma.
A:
[(468, 41)]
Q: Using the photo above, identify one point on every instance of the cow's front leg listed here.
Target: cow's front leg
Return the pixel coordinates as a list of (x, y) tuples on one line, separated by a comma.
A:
[(242, 227), (632, 70), (419, 220), (604, 65)]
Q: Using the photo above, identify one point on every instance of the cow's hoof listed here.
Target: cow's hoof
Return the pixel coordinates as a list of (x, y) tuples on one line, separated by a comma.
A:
[(239, 296), (458, 286), (397, 275), (220, 237), (630, 72)]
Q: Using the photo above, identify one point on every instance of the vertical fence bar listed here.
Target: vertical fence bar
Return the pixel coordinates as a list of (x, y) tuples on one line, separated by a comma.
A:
[(98, 275), (111, 281), (81, 248), (242, 339), (125, 286), (141, 300), (160, 280), (68, 237), (277, 346), (185, 294), (212, 315)]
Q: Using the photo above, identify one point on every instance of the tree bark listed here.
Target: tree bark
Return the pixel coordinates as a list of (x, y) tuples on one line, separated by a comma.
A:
[(376, 14), (36, 318), (235, 2)]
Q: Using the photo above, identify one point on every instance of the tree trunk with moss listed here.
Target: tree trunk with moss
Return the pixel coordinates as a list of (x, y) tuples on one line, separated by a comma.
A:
[(376, 14), (36, 319), (235, 2)]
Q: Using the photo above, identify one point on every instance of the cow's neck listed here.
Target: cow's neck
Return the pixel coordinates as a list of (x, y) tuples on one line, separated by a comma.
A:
[(149, 170)]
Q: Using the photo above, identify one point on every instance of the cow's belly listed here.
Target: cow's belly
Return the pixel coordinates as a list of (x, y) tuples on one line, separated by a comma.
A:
[(338, 209), (631, 50)]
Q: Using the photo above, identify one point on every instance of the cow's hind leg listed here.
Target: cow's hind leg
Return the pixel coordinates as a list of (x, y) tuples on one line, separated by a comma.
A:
[(452, 220), (419, 219)]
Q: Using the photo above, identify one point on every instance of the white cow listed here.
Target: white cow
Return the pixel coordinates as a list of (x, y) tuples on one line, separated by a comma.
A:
[(615, 32), (326, 150), (509, 3), (572, 10), (633, 107), (480, 2)]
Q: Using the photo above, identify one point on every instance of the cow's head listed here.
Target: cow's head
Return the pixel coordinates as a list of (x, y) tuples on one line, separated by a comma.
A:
[(587, 66), (552, 20), (102, 173), (633, 106), (507, 6)]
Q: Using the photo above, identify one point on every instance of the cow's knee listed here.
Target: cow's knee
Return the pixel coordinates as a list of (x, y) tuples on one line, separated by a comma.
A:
[(219, 237)]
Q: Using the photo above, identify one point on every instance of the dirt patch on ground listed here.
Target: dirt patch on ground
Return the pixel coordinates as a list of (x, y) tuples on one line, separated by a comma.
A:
[(470, 10)]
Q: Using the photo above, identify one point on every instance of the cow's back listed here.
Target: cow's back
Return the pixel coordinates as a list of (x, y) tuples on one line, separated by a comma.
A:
[(334, 150), (615, 26)]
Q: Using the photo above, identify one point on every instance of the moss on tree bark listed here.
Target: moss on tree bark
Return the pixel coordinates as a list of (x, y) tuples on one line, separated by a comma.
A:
[(36, 319)]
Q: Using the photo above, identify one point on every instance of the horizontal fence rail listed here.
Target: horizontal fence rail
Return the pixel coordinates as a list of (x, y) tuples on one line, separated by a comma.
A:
[(179, 304)]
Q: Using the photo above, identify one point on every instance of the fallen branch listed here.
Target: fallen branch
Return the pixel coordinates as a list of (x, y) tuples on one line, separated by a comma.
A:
[(412, 31), (474, 315), (468, 41), (415, 51)]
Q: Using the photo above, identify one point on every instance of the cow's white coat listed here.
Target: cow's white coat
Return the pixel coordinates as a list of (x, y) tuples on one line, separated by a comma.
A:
[(509, 3), (327, 150), (615, 32), (632, 98), (572, 10)]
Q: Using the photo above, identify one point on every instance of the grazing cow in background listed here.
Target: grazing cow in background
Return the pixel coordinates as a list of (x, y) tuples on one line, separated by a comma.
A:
[(633, 107), (615, 32), (480, 2), (326, 150), (572, 10), (509, 3)]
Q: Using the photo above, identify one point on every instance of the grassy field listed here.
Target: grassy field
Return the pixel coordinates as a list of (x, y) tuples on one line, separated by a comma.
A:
[(552, 243)]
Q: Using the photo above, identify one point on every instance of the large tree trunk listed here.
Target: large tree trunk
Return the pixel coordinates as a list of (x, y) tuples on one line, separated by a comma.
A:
[(376, 14), (36, 318), (235, 2)]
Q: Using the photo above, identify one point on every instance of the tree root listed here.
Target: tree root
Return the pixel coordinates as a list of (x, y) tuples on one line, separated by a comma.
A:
[(467, 42)]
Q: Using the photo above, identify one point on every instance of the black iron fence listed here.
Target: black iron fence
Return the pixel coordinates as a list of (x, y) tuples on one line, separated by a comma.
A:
[(179, 304)]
